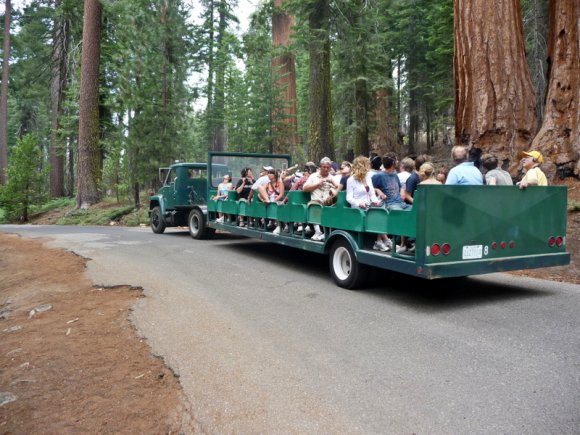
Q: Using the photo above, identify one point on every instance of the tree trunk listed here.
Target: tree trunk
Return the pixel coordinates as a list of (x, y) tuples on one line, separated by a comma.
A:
[(495, 106), (284, 121), (219, 140), (320, 138), (56, 151), (88, 156), (4, 95), (559, 136), (361, 143)]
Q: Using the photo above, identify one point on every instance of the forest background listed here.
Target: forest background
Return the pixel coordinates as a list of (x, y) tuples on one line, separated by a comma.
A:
[(97, 95)]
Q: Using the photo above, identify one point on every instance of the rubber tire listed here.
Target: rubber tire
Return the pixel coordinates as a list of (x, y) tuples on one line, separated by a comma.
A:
[(197, 227), (157, 223), (344, 267)]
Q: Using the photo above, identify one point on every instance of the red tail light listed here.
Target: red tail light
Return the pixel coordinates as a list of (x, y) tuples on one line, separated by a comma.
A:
[(559, 241), (494, 245), (446, 248), (435, 249), (551, 242), (512, 244), (503, 245)]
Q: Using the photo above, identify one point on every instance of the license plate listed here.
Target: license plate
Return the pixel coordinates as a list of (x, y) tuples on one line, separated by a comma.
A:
[(472, 252)]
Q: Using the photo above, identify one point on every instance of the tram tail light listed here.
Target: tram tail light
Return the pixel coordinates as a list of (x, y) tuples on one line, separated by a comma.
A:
[(435, 249), (446, 248), (559, 241), (551, 242)]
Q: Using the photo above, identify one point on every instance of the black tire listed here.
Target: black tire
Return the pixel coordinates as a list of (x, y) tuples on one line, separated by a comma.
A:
[(344, 267), (197, 225), (157, 223)]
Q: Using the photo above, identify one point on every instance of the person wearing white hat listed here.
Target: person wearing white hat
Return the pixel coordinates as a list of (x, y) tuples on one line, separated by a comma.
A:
[(534, 175)]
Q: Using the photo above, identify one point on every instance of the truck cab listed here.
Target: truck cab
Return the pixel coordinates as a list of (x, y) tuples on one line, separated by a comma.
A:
[(185, 187)]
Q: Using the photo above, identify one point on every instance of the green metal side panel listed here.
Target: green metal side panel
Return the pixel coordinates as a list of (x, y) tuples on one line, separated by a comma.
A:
[(257, 209), (315, 213), (272, 211), (352, 219), (396, 222), (473, 218)]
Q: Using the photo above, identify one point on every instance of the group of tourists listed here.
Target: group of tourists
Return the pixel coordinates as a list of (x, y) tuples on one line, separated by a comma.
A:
[(372, 182)]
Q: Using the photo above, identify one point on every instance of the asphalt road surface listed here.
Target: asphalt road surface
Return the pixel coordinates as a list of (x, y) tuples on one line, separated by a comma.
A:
[(264, 342)]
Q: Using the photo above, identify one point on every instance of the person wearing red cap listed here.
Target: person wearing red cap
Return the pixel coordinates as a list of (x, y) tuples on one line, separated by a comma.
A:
[(534, 175)]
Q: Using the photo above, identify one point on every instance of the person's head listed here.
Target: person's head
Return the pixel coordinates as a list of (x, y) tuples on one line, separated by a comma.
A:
[(345, 168), (531, 159), (459, 154), (489, 162), (272, 175), (309, 168), (265, 170), (419, 160), (247, 173), (474, 155), (427, 170), (389, 162), (360, 167), (376, 163), (442, 174), (325, 166), (407, 164), (227, 178)]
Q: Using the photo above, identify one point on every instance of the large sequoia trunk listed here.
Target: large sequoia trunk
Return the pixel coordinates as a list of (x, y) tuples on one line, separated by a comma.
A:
[(559, 136), (320, 137), (284, 119), (494, 102), (4, 95), (88, 165)]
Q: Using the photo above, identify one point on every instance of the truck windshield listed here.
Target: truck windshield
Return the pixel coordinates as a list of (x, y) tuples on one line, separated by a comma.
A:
[(234, 164)]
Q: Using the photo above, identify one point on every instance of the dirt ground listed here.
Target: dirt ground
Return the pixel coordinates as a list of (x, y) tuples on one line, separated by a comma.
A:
[(71, 362)]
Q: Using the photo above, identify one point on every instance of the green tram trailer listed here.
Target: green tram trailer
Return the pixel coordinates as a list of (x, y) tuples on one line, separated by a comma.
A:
[(458, 230)]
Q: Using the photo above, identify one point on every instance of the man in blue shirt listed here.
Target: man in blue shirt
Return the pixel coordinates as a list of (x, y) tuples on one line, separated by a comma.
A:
[(389, 185), (464, 172)]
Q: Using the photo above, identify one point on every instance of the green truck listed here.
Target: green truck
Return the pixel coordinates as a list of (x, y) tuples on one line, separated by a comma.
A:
[(458, 230)]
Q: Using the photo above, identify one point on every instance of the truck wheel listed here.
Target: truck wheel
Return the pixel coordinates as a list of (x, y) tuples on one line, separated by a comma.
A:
[(157, 222), (197, 227), (345, 269)]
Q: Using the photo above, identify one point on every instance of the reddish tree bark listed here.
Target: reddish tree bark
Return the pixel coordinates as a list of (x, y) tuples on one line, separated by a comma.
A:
[(285, 125), (559, 136), (4, 95), (88, 165), (494, 102)]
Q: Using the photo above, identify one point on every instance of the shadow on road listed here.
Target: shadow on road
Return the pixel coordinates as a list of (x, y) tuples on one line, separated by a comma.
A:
[(392, 287)]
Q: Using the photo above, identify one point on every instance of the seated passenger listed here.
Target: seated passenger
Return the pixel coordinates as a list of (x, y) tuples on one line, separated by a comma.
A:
[(244, 188), (309, 169), (534, 175), (388, 184), (222, 193), (494, 175), (360, 193), (465, 172), (323, 190), (345, 168), (261, 182), (427, 174)]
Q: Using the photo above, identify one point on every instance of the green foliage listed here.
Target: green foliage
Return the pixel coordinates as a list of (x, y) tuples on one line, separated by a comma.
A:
[(53, 204), (27, 179), (95, 216)]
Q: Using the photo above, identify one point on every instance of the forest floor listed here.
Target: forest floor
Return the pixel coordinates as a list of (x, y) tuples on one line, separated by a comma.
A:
[(71, 362)]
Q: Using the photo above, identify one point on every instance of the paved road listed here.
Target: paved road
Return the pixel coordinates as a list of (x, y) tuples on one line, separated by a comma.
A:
[(265, 343)]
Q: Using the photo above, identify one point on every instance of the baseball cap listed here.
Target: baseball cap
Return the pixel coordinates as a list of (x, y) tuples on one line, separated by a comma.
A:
[(267, 168), (536, 155)]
